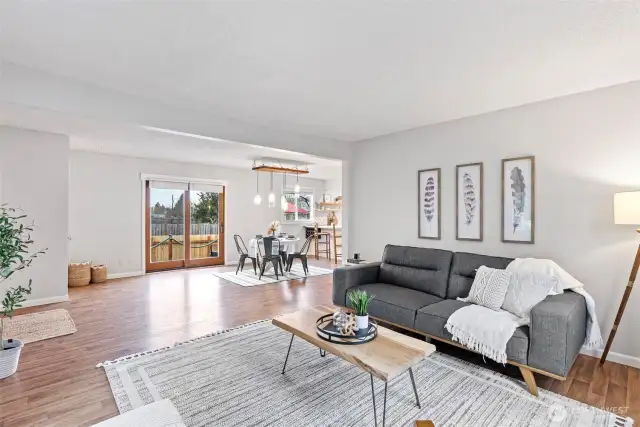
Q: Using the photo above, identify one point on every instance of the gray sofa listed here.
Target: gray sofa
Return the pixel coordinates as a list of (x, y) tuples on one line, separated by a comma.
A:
[(416, 289)]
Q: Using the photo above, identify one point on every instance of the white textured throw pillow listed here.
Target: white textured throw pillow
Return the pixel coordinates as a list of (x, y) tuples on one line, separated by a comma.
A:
[(489, 287), (525, 290)]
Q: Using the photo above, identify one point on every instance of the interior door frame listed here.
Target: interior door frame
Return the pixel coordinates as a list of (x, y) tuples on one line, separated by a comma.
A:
[(148, 266)]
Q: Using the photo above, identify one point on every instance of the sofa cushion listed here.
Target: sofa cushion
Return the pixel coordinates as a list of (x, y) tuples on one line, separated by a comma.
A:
[(463, 271), (420, 269), (395, 304), (432, 318)]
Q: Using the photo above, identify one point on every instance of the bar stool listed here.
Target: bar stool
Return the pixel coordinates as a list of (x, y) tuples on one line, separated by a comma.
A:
[(323, 244)]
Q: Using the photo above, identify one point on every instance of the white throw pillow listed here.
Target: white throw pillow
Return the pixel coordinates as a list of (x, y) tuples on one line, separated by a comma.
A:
[(525, 290), (489, 287)]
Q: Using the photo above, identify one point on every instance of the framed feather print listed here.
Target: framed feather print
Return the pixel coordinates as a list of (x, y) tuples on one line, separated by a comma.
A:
[(518, 200), (469, 202), (429, 204)]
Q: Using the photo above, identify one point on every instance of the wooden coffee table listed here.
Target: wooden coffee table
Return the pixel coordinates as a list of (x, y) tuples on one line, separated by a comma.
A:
[(388, 356)]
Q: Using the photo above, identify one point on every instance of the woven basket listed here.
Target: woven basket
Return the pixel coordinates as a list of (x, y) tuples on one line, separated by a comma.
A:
[(98, 273), (80, 273)]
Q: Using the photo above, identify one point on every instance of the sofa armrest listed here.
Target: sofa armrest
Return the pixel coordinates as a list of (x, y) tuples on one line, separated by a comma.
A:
[(348, 277), (557, 332)]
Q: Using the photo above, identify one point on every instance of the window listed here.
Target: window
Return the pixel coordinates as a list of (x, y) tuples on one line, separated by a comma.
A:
[(299, 209)]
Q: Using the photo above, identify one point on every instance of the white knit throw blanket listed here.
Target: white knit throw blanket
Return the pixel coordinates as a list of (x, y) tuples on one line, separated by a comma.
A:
[(484, 330), (487, 331)]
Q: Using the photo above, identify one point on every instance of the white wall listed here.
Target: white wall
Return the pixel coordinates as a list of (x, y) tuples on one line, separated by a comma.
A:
[(587, 147), (105, 205), (35, 174)]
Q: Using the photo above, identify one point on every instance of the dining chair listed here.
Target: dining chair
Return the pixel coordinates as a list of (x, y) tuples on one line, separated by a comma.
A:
[(271, 254), (302, 255), (244, 254)]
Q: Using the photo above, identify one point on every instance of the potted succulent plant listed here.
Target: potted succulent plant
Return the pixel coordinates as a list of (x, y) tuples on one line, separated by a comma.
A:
[(360, 303), (15, 240)]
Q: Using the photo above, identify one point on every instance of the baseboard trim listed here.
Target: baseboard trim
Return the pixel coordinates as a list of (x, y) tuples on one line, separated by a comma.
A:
[(623, 359), (123, 275), (44, 301)]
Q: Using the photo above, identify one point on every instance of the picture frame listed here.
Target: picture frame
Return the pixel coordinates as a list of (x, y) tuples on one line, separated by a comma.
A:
[(429, 206), (518, 200), (470, 202)]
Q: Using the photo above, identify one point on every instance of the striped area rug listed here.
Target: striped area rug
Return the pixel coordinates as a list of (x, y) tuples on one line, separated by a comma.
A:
[(234, 378), (248, 278)]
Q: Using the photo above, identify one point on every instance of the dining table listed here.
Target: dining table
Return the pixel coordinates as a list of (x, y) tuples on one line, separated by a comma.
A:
[(287, 246)]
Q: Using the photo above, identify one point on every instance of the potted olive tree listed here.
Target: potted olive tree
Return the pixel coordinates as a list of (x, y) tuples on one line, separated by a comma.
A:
[(15, 240)]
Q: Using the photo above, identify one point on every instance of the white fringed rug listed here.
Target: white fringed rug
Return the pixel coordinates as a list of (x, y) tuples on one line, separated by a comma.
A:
[(234, 378), (157, 414), (39, 326), (248, 278)]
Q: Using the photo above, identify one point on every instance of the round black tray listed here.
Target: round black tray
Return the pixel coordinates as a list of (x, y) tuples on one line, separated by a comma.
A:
[(328, 332)]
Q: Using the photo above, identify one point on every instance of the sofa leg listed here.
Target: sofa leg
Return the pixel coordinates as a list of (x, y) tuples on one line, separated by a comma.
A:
[(530, 380)]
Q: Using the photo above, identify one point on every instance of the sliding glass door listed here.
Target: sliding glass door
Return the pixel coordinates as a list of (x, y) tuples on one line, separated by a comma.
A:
[(184, 225)]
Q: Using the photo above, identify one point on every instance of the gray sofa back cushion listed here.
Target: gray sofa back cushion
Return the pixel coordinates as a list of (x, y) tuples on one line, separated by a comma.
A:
[(463, 271), (421, 269)]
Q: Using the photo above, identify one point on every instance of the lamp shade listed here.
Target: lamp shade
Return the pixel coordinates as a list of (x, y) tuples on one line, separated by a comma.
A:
[(626, 208)]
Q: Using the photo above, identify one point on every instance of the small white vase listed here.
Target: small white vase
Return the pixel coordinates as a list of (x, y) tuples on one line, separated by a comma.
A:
[(362, 322), (9, 358)]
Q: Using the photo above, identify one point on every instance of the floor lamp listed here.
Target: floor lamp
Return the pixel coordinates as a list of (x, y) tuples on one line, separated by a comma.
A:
[(626, 210)]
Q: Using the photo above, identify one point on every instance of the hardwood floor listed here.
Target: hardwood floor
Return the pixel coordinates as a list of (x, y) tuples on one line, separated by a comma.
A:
[(58, 384)]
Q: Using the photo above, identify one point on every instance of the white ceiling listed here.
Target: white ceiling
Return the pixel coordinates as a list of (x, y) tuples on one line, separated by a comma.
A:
[(346, 70), (135, 141)]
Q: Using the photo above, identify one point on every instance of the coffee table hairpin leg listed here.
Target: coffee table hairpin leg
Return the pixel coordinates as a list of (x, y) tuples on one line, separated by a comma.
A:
[(384, 403), (323, 353), (288, 351)]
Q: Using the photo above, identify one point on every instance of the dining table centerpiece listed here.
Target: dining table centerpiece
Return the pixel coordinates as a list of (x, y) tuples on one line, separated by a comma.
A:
[(273, 228)]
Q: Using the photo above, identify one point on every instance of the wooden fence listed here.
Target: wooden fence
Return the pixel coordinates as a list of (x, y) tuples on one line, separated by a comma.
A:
[(165, 249), (178, 229)]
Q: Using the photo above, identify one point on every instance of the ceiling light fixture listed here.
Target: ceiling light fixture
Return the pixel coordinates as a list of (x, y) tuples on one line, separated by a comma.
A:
[(257, 200), (272, 196), (296, 188), (283, 199)]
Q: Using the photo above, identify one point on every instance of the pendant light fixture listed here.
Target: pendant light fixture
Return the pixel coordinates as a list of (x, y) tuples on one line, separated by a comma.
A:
[(296, 189), (272, 196), (257, 200), (283, 200)]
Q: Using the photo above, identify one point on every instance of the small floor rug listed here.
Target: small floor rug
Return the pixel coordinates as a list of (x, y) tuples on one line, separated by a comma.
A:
[(39, 326), (234, 378), (248, 278), (156, 414)]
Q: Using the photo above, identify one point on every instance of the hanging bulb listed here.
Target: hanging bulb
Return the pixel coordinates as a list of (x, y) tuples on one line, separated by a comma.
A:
[(257, 200), (272, 196), (283, 200), (296, 188)]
